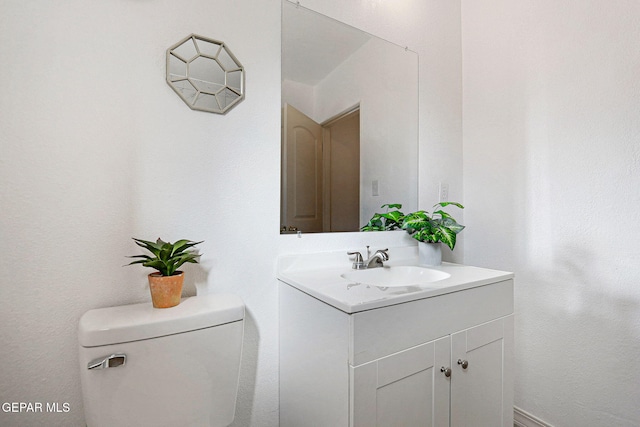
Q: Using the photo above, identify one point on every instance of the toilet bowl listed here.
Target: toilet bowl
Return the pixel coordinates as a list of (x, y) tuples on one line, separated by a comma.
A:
[(142, 366)]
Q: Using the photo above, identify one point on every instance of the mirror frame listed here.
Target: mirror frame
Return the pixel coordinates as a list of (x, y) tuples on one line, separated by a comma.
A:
[(198, 92)]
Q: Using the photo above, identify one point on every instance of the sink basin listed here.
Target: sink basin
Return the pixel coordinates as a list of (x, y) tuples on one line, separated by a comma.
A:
[(328, 276), (396, 276)]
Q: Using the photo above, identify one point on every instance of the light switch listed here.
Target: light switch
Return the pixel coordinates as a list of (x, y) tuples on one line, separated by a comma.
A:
[(444, 192)]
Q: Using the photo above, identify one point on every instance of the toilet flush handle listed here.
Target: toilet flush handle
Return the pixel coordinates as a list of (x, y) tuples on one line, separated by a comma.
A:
[(112, 361)]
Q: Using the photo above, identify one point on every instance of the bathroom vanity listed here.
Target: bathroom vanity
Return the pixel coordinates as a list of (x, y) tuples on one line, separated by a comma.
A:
[(394, 347)]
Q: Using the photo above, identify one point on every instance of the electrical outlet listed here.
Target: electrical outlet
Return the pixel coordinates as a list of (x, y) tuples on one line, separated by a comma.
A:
[(374, 188), (444, 192)]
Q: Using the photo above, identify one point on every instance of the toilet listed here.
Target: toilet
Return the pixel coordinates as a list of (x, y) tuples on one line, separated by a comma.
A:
[(143, 366)]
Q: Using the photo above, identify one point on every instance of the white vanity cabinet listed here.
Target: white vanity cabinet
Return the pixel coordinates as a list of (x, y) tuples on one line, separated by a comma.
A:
[(411, 387), (387, 366)]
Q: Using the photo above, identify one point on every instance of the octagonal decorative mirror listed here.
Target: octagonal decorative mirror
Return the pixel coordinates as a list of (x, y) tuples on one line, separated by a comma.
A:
[(205, 74)]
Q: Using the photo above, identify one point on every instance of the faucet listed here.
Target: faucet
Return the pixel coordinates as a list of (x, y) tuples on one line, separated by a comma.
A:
[(373, 261)]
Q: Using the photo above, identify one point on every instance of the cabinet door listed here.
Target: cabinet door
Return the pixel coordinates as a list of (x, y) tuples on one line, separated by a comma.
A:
[(482, 383), (404, 389)]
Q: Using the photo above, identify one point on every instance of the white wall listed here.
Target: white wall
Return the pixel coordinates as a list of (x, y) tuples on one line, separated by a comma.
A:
[(299, 95), (97, 148), (551, 184)]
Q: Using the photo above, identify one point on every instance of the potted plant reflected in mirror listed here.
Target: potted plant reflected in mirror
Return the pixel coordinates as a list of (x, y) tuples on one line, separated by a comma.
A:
[(166, 283), (390, 220), (428, 228)]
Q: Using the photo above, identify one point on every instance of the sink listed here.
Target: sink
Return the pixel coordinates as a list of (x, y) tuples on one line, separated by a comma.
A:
[(328, 276), (396, 276)]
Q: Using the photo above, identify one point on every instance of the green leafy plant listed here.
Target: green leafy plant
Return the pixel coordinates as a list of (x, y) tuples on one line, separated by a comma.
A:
[(390, 220), (434, 227), (423, 226), (167, 257)]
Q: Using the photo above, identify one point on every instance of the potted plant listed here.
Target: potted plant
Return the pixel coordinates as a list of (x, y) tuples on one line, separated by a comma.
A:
[(429, 229), (166, 283)]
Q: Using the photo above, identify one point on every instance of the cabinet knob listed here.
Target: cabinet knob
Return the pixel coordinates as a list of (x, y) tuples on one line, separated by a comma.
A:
[(446, 371), (463, 363)]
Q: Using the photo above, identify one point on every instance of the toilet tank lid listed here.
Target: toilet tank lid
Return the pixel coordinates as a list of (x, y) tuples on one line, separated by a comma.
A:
[(113, 325)]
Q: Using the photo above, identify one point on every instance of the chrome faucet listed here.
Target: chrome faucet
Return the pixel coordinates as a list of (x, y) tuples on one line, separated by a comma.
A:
[(375, 260)]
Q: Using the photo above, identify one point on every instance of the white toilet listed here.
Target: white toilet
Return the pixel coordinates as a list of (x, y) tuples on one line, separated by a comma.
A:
[(142, 366)]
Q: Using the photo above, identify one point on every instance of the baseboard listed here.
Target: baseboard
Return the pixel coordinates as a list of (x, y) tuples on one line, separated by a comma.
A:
[(524, 419)]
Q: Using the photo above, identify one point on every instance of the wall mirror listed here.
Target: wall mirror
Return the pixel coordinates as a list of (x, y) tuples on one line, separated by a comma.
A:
[(349, 124), (205, 74)]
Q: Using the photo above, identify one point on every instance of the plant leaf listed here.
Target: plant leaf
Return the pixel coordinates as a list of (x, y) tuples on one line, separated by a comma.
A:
[(425, 235), (451, 224), (140, 261), (182, 245), (374, 224), (393, 215), (139, 256), (372, 228), (443, 214), (165, 253), (447, 236), (152, 247), (158, 265), (416, 220), (443, 204)]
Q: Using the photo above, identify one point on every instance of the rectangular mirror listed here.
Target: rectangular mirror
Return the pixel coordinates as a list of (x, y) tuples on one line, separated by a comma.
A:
[(349, 124)]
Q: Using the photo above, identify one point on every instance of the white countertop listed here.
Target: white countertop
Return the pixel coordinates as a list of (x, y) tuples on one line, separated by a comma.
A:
[(319, 275)]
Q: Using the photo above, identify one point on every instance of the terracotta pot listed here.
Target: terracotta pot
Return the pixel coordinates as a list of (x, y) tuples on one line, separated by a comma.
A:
[(166, 290)]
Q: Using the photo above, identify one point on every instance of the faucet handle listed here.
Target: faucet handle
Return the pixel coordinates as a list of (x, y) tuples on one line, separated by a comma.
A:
[(384, 253), (358, 262)]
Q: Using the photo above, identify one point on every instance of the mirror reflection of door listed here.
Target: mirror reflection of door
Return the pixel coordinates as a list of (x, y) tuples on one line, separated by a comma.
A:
[(321, 173), (342, 172), (301, 196)]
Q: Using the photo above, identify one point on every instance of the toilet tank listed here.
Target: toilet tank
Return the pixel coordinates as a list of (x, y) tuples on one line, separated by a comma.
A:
[(181, 364)]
